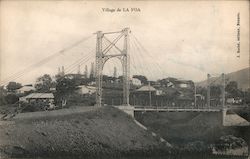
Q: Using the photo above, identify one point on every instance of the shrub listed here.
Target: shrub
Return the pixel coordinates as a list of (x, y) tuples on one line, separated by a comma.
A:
[(11, 98)]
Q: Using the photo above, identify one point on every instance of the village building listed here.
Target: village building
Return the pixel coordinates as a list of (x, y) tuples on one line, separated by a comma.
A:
[(159, 92), (177, 83), (170, 84), (25, 89), (185, 84), (234, 100), (146, 89), (52, 89), (39, 97), (44, 99), (92, 83), (200, 97), (84, 90), (136, 82)]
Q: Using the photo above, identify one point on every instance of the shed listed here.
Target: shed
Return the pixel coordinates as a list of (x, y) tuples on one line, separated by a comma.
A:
[(25, 89), (42, 97), (146, 89), (83, 89)]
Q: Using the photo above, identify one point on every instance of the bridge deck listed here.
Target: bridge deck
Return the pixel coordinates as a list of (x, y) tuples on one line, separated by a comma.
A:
[(176, 109)]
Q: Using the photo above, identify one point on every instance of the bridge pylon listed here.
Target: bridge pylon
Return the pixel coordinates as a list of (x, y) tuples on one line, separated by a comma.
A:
[(102, 56)]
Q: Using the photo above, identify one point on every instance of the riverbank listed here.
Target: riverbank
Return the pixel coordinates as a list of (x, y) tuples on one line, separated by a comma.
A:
[(109, 132), (191, 131), (104, 131)]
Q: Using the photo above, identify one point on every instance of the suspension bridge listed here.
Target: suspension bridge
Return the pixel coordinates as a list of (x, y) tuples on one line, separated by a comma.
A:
[(125, 46)]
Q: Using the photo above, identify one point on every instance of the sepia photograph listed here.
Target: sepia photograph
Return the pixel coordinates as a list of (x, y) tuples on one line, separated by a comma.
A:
[(89, 79)]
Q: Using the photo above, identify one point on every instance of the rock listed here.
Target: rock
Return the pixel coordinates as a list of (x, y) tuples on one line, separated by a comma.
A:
[(15, 151)]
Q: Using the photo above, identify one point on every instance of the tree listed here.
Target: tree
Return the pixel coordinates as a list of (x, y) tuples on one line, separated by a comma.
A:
[(43, 83), (215, 91), (143, 79), (105, 78), (2, 96), (232, 89), (201, 90), (11, 98), (231, 86), (12, 86), (65, 87)]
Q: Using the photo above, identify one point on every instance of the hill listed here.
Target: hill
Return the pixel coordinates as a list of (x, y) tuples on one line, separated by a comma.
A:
[(240, 76), (94, 132)]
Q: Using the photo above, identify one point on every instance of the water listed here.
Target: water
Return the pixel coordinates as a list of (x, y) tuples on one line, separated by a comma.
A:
[(151, 157)]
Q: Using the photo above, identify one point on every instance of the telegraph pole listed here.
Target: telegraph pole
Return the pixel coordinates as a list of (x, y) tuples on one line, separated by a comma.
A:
[(149, 93), (223, 110), (208, 90), (223, 90), (194, 95)]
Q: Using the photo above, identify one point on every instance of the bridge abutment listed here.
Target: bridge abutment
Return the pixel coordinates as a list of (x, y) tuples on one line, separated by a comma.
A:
[(127, 109), (223, 115)]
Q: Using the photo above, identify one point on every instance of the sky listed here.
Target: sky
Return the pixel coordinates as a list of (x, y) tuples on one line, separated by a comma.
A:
[(182, 39)]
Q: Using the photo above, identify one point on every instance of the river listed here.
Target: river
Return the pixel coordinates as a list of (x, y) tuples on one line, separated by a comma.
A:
[(144, 157)]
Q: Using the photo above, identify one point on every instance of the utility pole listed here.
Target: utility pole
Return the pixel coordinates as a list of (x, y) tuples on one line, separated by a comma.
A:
[(149, 93), (194, 95), (223, 90), (59, 71), (223, 110), (79, 69), (92, 72), (63, 70), (208, 90), (86, 71), (115, 72)]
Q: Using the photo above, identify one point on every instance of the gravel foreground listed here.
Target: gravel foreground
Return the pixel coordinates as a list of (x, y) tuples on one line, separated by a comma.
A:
[(105, 131)]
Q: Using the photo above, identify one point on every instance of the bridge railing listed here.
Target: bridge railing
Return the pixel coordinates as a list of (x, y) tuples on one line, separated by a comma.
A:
[(162, 102)]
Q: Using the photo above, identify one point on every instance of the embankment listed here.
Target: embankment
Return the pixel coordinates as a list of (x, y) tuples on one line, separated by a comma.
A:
[(97, 132), (181, 128)]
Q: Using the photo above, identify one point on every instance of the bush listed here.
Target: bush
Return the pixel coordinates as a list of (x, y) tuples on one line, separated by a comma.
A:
[(196, 146), (11, 98), (33, 107), (2, 100), (83, 100), (229, 141)]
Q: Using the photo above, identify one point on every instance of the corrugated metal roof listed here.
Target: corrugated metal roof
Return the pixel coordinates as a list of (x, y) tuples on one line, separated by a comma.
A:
[(146, 88), (26, 88), (84, 86), (40, 95)]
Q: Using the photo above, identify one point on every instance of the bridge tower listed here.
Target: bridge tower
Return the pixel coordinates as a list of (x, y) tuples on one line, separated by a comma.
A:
[(102, 56), (223, 99)]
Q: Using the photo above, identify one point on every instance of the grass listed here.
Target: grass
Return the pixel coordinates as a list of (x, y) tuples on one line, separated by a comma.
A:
[(104, 131)]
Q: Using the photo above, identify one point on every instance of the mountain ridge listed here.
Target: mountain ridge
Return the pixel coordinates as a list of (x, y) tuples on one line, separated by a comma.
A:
[(240, 76)]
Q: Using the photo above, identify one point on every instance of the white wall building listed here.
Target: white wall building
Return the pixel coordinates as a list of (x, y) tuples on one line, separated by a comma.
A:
[(83, 89), (25, 89), (136, 82)]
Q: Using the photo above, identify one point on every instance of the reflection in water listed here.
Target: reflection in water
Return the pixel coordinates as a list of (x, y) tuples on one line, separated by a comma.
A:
[(151, 157)]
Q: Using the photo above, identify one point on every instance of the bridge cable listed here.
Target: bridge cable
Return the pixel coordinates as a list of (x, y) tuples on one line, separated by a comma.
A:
[(145, 51), (43, 61)]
